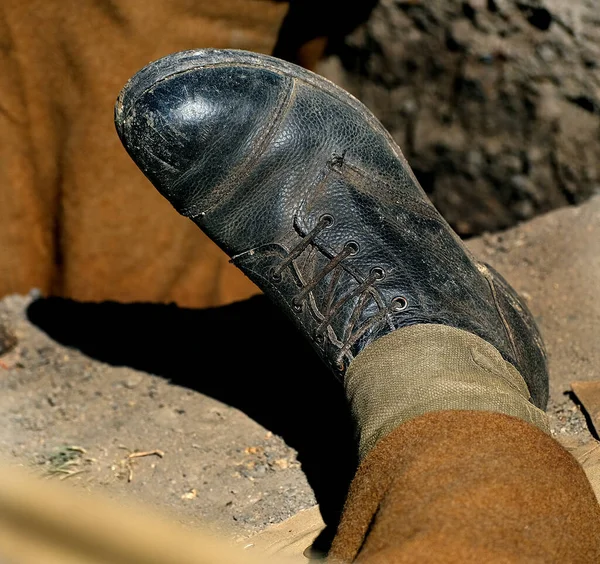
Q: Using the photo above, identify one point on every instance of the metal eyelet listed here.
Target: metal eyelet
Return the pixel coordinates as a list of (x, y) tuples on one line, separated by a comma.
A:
[(276, 276), (319, 338), (327, 219), (337, 161), (378, 273), (297, 306), (352, 246), (399, 303), (340, 365)]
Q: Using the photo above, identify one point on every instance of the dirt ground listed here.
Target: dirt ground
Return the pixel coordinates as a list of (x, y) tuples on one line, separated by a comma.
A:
[(220, 429)]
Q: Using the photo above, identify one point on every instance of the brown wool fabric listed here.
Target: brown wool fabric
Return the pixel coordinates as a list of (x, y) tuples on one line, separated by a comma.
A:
[(469, 487), (78, 217)]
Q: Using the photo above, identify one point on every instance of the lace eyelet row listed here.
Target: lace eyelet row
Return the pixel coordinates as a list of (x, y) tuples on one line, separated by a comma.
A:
[(351, 248)]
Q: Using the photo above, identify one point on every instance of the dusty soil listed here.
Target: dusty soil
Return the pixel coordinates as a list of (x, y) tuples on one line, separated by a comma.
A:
[(495, 103), (77, 418), (231, 435)]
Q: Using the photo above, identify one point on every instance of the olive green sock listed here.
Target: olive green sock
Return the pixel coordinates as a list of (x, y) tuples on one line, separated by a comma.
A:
[(423, 368)]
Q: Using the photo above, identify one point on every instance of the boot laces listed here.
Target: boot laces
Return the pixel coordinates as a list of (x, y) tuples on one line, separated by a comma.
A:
[(364, 290)]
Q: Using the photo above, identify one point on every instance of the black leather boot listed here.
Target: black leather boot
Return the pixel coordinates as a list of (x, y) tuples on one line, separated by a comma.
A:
[(307, 192)]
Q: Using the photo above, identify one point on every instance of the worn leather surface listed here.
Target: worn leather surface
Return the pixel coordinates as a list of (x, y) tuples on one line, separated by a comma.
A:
[(257, 152)]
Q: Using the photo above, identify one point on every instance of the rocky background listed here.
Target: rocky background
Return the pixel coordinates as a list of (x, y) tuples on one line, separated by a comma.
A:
[(495, 103)]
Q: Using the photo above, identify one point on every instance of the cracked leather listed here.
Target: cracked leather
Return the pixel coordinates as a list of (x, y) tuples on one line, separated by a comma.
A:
[(257, 152)]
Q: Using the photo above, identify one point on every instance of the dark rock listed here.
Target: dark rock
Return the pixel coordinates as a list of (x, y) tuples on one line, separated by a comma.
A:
[(495, 104)]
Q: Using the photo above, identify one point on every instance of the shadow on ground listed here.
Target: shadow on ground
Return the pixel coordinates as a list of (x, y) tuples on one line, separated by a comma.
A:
[(246, 355)]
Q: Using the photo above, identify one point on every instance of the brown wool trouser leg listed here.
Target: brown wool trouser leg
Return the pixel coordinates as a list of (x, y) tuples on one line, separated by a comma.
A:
[(77, 216), (456, 465)]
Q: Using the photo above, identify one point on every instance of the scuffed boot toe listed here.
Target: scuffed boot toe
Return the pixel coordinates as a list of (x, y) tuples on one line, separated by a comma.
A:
[(192, 124)]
